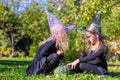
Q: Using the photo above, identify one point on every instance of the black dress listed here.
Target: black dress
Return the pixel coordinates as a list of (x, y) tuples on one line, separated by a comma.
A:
[(45, 59), (95, 62)]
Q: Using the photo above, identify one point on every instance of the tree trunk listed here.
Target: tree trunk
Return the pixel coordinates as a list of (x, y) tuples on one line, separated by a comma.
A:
[(27, 47), (28, 43), (12, 45)]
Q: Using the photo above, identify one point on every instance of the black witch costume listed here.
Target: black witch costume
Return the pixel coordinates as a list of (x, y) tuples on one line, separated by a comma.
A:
[(45, 59)]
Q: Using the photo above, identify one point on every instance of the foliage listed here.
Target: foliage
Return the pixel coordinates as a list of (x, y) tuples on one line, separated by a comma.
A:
[(4, 42), (81, 14), (5, 48), (33, 49), (9, 24), (33, 23), (111, 23)]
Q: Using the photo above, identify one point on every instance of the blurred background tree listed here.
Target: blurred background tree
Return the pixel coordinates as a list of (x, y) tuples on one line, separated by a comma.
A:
[(24, 30), (9, 24)]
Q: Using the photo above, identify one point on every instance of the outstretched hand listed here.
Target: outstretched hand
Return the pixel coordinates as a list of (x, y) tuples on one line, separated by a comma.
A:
[(73, 64)]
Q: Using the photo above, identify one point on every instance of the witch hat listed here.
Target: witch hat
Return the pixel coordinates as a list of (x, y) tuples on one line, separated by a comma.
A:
[(95, 27), (55, 25)]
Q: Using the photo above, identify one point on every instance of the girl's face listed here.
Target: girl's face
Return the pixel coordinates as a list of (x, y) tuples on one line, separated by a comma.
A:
[(92, 38)]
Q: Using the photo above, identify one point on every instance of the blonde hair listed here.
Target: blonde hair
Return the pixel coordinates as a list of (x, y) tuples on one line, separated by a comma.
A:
[(88, 50), (61, 40)]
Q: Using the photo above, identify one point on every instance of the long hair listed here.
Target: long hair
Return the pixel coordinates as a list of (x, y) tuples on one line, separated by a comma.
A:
[(95, 29), (88, 49), (61, 40)]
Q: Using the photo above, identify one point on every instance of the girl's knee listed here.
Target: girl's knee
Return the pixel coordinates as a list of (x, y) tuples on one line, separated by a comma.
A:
[(81, 65)]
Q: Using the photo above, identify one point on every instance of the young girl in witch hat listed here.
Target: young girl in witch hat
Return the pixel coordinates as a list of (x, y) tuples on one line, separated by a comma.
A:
[(94, 58), (52, 49)]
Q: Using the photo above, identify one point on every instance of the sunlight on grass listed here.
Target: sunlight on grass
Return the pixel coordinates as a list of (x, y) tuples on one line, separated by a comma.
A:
[(14, 69)]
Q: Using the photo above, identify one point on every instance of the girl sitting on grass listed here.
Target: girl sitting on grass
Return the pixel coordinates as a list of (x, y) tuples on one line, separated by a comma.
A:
[(52, 49), (94, 58)]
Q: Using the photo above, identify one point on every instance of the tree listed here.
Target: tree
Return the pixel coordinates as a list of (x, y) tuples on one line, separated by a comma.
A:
[(32, 23), (80, 12), (10, 24)]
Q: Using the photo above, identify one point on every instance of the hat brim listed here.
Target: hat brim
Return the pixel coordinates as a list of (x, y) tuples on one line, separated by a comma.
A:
[(104, 37), (101, 35), (71, 27), (81, 31)]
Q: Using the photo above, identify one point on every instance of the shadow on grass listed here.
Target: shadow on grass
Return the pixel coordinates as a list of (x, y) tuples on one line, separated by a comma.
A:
[(13, 63), (114, 64), (7, 65), (114, 74), (4, 70)]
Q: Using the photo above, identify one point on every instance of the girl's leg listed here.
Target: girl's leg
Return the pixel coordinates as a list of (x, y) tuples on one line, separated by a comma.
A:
[(92, 68), (43, 65), (52, 62)]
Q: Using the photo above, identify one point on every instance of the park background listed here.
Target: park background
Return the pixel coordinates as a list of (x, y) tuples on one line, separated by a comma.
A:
[(23, 25)]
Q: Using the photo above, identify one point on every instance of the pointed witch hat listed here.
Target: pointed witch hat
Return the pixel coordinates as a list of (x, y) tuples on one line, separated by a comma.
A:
[(95, 27), (55, 25)]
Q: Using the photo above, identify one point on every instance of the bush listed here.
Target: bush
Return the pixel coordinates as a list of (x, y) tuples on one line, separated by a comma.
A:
[(5, 51), (33, 50)]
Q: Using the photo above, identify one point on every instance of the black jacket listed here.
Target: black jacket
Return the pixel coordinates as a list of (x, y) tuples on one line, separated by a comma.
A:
[(45, 59), (95, 55)]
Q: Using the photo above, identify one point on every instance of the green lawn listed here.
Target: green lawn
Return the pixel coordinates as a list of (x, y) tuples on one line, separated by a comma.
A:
[(14, 69)]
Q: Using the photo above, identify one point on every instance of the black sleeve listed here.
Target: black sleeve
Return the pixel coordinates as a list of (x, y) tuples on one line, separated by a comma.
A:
[(83, 54), (43, 49), (47, 46), (93, 55)]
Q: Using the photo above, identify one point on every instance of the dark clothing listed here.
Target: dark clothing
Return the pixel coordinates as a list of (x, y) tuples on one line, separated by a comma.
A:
[(84, 66), (45, 59), (95, 61)]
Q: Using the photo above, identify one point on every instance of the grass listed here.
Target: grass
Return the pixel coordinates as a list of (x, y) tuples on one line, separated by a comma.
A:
[(14, 69)]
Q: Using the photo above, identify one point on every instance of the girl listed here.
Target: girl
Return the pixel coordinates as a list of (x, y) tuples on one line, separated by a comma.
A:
[(94, 58), (52, 49)]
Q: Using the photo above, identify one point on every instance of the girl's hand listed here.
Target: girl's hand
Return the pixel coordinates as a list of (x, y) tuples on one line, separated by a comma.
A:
[(73, 64), (60, 52)]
